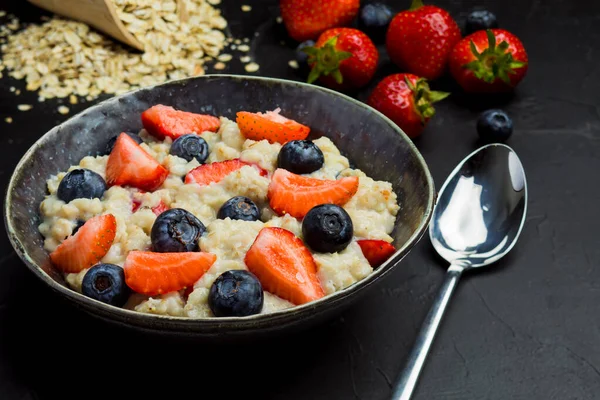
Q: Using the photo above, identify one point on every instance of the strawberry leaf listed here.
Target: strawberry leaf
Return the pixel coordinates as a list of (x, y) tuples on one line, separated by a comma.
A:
[(337, 75), (491, 39), (494, 62), (474, 50), (424, 98), (314, 75), (416, 4), (325, 61)]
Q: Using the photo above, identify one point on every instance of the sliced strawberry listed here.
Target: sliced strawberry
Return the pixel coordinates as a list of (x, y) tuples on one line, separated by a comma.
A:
[(296, 194), (271, 126), (135, 205), (376, 251), (157, 273), (209, 173), (162, 121), (160, 208), (157, 210), (187, 291), (129, 164), (284, 266), (84, 249)]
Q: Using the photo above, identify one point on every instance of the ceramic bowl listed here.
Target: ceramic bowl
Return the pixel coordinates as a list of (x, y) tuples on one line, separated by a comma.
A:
[(370, 140)]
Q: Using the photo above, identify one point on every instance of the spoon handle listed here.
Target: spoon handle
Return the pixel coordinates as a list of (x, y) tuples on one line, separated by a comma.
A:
[(407, 381)]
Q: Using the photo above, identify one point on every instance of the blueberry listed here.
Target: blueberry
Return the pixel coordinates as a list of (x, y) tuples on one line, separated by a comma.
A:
[(480, 20), (106, 283), (300, 157), (236, 293), (374, 19), (189, 147), (239, 207), (301, 56), (494, 126), (327, 228), (77, 226), (176, 230), (81, 184), (111, 142)]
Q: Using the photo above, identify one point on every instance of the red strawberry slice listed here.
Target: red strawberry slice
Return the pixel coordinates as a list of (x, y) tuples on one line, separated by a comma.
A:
[(157, 210), (209, 173), (271, 126), (129, 164), (376, 251), (186, 292), (162, 121), (135, 205), (157, 273), (160, 208), (284, 266), (296, 194), (87, 247)]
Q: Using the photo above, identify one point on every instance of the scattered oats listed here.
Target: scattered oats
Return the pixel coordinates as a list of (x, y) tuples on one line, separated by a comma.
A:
[(12, 89), (219, 66), (60, 58), (244, 47), (73, 99), (279, 20), (8, 120), (18, 92), (246, 8), (233, 47), (63, 110), (2, 14), (225, 57), (252, 67), (246, 40), (24, 107), (245, 59), (293, 64), (237, 41), (41, 99)]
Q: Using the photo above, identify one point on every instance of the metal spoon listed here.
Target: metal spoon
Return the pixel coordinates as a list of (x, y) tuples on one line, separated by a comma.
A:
[(478, 217)]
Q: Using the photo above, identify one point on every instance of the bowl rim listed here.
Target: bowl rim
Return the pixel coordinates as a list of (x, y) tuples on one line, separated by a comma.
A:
[(137, 318)]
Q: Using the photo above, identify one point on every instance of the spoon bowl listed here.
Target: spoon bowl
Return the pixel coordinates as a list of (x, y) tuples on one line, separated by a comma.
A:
[(479, 215), (481, 208)]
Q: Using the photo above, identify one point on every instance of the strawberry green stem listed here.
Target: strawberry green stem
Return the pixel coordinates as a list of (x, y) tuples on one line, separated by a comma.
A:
[(495, 62), (416, 4), (326, 60), (424, 98)]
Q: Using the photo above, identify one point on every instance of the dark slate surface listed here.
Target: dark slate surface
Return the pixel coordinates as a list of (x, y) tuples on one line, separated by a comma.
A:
[(527, 328)]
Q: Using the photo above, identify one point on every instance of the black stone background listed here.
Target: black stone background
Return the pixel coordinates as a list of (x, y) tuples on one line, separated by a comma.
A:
[(526, 328)]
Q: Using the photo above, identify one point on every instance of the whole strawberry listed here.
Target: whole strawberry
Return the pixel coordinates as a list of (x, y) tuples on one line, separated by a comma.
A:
[(489, 61), (407, 100), (342, 59), (420, 40), (307, 19)]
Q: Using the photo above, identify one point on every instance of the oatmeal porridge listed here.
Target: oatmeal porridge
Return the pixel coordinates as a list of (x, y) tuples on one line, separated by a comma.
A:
[(197, 216)]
